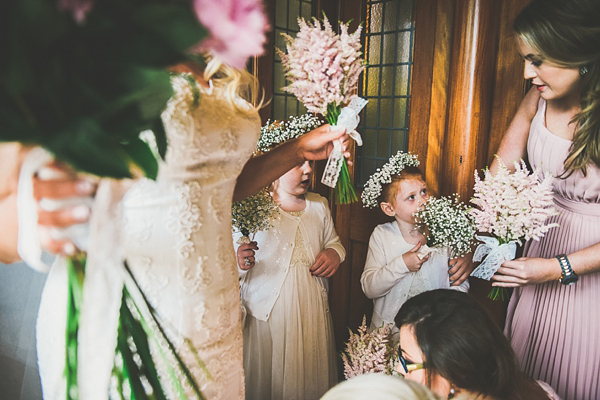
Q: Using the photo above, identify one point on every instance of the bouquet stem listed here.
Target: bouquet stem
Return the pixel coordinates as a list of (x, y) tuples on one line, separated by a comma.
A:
[(344, 192), (75, 273), (499, 293)]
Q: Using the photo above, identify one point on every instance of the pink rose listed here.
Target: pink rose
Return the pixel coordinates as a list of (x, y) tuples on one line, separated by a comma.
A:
[(237, 29), (79, 8)]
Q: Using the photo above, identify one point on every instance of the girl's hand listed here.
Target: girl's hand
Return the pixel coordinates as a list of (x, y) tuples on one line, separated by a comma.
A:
[(412, 260), (318, 143), (245, 255), (525, 271), (58, 182), (326, 263), (461, 268)]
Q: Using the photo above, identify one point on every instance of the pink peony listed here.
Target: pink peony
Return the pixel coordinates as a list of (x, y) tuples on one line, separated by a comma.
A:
[(79, 8), (237, 29)]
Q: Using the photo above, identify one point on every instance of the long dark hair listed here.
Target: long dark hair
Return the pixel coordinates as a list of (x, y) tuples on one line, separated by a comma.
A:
[(462, 344)]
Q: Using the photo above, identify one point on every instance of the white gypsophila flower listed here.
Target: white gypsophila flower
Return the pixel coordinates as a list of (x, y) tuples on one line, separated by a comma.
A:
[(370, 351), (254, 213), (513, 206), (383, 175), (277, 132), (447, 224)]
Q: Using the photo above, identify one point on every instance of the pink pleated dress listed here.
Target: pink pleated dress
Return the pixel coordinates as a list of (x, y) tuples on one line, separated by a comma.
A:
[(555, 329)]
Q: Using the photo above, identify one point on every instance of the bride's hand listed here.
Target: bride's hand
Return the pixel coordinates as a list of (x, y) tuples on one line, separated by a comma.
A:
[(318, 143), (58, 182)]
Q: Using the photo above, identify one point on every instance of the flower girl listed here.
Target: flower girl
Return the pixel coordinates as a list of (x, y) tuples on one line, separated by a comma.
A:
[(289, 348), (395, 270)]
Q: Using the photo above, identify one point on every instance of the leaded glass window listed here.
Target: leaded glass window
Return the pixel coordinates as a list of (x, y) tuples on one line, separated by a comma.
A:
[(389, 38), (286, 21)]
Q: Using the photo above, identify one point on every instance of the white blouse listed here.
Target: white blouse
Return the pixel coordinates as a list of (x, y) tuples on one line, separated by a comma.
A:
[(387, 280)]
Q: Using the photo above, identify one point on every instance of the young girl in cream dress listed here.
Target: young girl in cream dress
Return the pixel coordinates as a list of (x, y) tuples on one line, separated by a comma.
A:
[(289, 348)]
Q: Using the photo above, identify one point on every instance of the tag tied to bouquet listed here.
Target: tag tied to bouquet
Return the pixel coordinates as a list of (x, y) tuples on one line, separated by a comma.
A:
[(348, 119), (493, 255)]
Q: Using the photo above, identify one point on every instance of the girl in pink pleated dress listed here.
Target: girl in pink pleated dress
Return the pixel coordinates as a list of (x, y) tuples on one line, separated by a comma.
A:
[(553, 317)]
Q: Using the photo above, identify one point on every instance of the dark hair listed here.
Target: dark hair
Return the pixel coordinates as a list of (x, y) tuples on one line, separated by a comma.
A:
[(567, 33), (462, 344), (389, 191)]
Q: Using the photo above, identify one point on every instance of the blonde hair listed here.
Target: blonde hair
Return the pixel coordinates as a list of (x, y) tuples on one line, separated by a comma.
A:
[(380, 387), (567, 33), (236, 84)]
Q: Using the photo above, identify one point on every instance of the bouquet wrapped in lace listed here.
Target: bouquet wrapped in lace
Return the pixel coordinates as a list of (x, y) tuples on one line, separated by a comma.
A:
[(370, 351), (323, 69), (511, 207), (447, 225)]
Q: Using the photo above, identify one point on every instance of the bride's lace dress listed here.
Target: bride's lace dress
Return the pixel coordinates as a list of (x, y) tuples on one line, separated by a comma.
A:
[(177, 235)]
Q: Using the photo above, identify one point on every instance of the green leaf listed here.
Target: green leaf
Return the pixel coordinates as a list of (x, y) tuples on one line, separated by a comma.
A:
[(176, 24), (161, 137), (142, 156)]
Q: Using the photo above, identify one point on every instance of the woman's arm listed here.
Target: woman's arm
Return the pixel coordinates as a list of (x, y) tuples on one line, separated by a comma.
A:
[(11, 157), (263, 170), (525, 271), (514, 142)]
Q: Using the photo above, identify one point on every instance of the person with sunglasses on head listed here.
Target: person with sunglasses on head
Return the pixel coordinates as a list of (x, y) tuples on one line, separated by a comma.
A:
[(450, 344)]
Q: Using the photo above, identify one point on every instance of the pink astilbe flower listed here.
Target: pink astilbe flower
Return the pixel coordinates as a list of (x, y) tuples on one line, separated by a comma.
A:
[(370, 352), (322, 66), (79, 8), (513, 206), (237, 29)]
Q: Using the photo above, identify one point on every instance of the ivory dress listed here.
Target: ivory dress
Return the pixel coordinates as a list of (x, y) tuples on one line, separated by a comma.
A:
[(177, 241), (555, 329), (289, 346)]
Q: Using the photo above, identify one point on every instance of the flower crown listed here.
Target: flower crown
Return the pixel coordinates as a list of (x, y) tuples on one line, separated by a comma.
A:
[(277, 132), (383, 176)]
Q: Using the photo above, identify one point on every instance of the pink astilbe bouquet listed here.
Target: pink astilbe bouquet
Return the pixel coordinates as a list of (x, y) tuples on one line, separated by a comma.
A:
[(323, 68), (511, 207), (370, 352)]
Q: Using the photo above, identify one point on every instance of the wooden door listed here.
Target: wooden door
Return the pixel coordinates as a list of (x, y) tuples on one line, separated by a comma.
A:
[(465, 86)]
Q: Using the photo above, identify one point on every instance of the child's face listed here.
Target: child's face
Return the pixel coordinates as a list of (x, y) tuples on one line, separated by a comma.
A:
[(412, 193), (297, 180)]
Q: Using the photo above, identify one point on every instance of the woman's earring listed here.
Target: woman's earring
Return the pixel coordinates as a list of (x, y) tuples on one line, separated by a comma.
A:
[(583, 70), (452, 392)]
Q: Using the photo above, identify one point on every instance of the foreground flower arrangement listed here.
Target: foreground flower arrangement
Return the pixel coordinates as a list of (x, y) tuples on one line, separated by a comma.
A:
[(511, 207), (370, 352), (82, 79), (323, 69), (253, 214)]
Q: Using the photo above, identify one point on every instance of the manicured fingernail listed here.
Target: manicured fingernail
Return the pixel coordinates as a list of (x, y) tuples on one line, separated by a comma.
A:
[(84, 187), (80, 213), (47, 173), (68, 248)]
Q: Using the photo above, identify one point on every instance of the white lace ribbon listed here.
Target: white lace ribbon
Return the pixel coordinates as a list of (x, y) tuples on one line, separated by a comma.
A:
[(493, 255), (348, 119), (29, 247), (102, 289)]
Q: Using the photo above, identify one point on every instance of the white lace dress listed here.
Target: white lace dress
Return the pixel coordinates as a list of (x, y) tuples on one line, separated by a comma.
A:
[(177, 237)]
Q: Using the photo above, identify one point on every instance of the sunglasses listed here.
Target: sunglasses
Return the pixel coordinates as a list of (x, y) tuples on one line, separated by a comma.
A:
[(409, 366)]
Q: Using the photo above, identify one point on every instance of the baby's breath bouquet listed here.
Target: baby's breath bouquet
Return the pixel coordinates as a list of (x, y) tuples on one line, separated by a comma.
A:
[(370, 351), (323, 69), (447, 225), (511, 207), (253, 214)]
